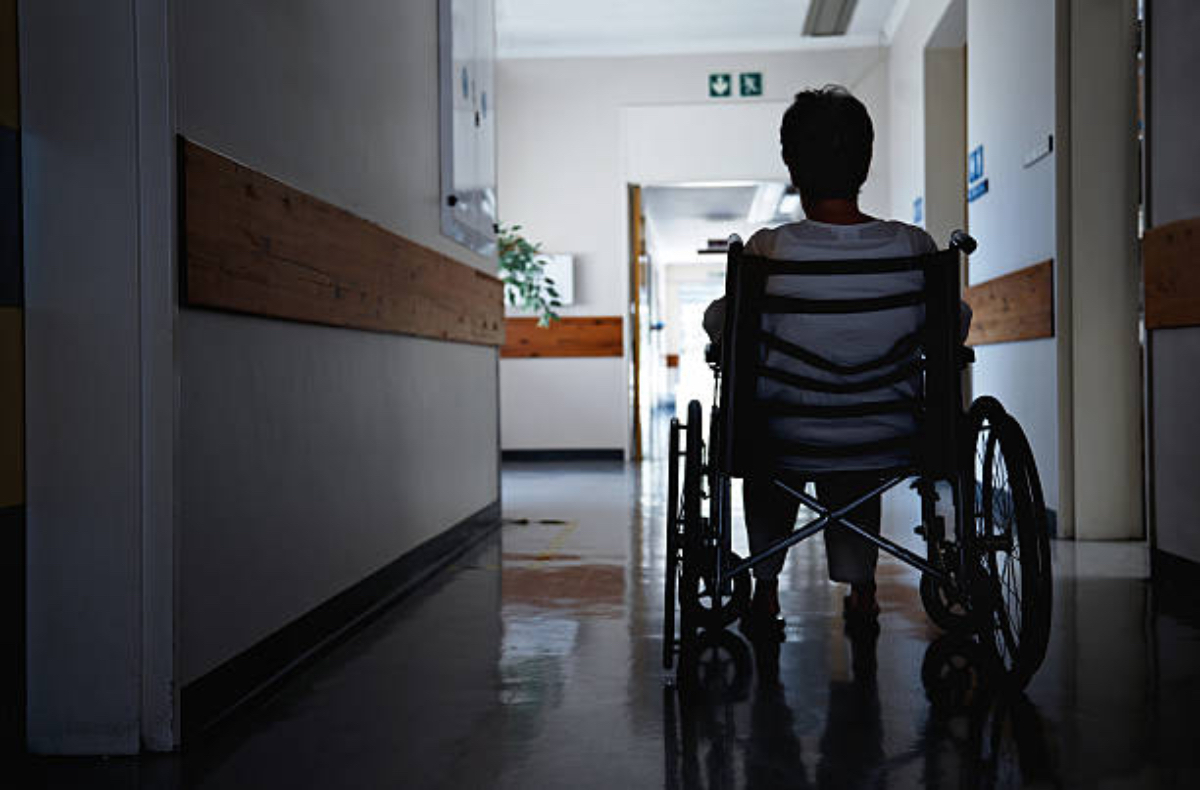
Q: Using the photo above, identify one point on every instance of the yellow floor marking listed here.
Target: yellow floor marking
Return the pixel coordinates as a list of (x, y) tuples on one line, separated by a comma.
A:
[(546, 555)]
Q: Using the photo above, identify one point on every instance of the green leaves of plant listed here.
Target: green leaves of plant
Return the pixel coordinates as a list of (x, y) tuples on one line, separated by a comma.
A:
[(524, 275)]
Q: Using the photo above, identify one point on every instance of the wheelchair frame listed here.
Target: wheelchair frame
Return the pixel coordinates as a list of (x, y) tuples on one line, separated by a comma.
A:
[(962, 573)]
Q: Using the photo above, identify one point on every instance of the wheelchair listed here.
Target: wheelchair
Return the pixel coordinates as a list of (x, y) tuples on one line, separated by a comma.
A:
[(796, 413)]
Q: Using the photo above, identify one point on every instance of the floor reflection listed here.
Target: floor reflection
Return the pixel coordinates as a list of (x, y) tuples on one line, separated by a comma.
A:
[(535, 662), (725, 728)]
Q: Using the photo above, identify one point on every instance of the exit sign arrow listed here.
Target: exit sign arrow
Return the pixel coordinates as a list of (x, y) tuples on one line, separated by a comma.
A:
[(719, 85)]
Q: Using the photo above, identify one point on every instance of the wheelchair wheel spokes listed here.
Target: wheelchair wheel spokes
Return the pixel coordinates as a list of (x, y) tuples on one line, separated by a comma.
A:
[(1010, 545), (1000, 545)]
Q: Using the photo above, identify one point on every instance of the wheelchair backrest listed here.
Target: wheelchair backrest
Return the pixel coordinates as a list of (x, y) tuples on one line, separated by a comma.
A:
[(840, 365)]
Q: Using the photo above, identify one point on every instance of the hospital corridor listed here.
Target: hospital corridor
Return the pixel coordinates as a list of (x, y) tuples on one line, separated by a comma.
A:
[(679, 394)]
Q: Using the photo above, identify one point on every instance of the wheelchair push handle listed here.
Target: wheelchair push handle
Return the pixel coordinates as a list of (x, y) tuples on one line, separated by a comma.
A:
[(963, 242), (712, 354)]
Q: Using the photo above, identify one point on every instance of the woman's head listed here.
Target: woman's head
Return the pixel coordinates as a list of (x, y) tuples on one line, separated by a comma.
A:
[(827, 138)]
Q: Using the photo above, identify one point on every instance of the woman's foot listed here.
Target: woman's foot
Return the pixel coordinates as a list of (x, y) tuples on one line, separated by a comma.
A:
[(860, 604), (861, 612), (763, 620)]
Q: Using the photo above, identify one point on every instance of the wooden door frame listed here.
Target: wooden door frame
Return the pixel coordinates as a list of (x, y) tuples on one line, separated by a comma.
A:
[(637, 251)]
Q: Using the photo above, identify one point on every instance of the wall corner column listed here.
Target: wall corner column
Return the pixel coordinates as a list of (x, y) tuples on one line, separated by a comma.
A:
[(1098, 191)]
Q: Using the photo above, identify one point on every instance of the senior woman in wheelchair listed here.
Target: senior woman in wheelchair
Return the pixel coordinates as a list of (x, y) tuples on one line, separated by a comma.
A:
[(827, 138)]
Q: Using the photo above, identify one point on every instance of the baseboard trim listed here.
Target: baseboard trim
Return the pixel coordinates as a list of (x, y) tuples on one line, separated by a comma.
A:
[(1172, 569), (1176, 584), (253, 674), (12, 615), (603, 454)]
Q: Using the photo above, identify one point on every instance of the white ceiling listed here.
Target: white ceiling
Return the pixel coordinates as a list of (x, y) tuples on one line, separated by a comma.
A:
[(592, 28), (681, 219)]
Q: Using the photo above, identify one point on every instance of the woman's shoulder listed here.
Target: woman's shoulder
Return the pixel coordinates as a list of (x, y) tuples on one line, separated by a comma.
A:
[(787, 239), (762, 242), (919, 241), (768, 242)]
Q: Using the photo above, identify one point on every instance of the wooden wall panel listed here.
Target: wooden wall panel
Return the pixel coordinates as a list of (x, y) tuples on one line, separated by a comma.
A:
[(1017, 306), (255, 245), (1171, 267), (593, 336)]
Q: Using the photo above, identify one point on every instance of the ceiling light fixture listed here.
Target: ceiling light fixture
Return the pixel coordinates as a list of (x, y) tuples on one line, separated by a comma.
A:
[(829, 17)]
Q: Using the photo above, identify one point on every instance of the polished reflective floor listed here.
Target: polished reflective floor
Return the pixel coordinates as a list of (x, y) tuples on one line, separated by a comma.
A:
[(535, 663)]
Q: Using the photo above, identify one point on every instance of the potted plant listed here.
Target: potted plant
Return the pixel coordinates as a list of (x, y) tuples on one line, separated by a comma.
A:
[(526, 286)]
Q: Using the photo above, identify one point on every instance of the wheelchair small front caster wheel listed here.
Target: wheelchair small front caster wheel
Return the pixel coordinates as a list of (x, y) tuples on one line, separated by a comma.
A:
[(944, 609), (711, 609)]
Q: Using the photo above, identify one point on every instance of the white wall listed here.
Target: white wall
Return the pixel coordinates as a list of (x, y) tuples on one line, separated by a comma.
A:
[(1174, 110), (311, 456), (97, 177), (1011, 105), (573, 133), (1174, 395), (1175, 195)]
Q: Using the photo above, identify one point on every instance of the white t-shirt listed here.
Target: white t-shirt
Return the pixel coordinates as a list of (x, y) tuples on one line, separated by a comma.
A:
[(808, 240), (842, 339)]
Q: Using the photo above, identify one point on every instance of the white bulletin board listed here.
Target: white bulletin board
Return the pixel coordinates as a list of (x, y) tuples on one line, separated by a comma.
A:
[(466, 73)]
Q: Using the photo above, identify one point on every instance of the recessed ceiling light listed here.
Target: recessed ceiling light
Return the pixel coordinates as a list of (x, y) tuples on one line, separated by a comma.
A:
[(829, 17)]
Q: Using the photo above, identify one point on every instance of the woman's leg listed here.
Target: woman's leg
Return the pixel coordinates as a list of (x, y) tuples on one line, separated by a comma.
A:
[(770, 516)]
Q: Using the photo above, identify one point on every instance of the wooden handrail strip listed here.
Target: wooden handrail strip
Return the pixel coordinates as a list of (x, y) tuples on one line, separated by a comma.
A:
[(1171, 267), (254, 245), (1016, 306), (591, 336)]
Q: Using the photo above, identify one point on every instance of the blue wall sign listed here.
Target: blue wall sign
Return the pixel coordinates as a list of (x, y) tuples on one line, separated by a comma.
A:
[(918, 211), (978, 184), (975, 165)]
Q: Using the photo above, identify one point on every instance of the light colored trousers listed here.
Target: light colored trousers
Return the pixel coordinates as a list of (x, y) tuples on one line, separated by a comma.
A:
[(771, 516)]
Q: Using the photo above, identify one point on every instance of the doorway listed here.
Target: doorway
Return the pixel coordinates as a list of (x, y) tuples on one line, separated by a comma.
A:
[(680, 234)]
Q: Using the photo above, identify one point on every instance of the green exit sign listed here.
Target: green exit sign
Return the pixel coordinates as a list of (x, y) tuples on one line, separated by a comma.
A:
[(720, 85), (750, 83)]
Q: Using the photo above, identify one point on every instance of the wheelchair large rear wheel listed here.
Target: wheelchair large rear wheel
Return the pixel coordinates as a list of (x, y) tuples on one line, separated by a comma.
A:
[(1010, 544), (691, 523), (670, 584)]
